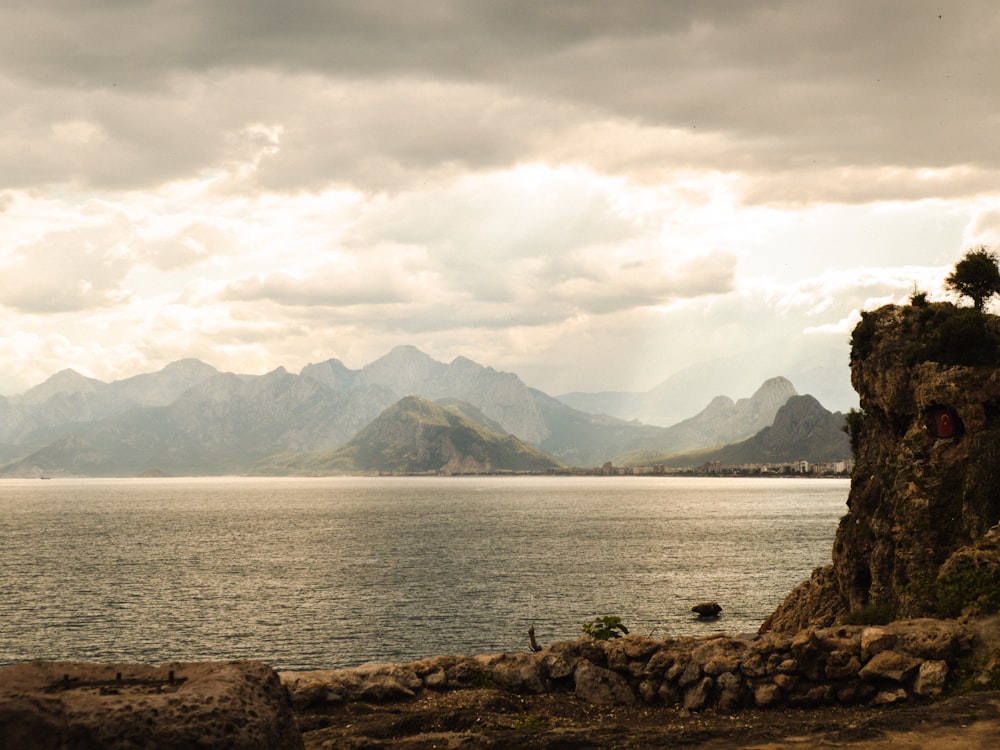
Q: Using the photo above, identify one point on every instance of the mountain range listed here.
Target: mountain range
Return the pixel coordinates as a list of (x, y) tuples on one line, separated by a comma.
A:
[(190, 418)]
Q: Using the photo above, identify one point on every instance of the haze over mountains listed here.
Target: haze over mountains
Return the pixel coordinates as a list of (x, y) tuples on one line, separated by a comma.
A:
[(189, 418)]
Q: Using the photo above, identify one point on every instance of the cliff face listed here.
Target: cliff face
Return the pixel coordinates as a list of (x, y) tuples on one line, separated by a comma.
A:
[(926, 481)]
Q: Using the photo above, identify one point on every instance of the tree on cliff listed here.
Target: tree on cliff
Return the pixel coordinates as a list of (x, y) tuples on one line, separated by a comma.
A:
[(976, 276)]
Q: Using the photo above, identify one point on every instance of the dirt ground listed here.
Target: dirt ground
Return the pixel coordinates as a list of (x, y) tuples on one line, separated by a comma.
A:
[(488, 718)]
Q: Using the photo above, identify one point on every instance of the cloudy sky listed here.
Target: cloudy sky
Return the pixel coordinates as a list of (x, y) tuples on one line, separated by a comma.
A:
[(593, 195)]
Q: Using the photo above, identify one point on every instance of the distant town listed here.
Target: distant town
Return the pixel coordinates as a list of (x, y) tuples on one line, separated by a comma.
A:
[(800, 468)]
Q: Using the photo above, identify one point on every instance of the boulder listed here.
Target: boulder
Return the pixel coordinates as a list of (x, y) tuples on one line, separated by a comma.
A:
[(931, 678), (226, 705), (696, 696), (707, 609), (602, 686), (890, 665)]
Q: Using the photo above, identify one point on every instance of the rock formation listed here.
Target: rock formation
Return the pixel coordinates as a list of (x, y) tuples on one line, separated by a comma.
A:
[(226, 705), (926, 481)]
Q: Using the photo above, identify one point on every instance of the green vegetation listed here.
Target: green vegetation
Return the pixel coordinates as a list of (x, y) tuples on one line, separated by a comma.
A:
[(936, 332), (960, 338), (870, 614), (605, 628), (940, 331), (863, 336), (855, 420), (970, 585), (531, 723), (976, 276)]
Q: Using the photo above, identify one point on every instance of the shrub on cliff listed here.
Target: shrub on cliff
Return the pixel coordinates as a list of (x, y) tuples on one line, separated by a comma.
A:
[(961, 338)]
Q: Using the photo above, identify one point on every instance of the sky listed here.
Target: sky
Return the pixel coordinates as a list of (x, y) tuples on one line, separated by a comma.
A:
[(593, 195)]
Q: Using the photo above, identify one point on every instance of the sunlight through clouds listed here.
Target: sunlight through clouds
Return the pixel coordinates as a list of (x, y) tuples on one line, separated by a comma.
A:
[(595, 197)]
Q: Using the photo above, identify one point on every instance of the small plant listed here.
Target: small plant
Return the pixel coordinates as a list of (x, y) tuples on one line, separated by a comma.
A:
[(605, 628), (531, 723)]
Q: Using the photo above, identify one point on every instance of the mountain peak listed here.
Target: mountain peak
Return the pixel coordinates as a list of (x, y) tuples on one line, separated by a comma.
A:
[(402, 370), (66, 381), (416, 435), (776, 386)]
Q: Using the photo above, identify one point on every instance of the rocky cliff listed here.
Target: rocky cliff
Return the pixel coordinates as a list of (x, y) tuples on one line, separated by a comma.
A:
[(925, 490)]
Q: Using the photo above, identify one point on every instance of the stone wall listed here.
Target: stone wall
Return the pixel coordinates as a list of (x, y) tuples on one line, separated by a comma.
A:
[(817, 666)]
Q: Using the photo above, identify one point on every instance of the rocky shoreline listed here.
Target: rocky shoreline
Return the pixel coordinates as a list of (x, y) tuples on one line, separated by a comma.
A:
[(629, 692), (843, 665)]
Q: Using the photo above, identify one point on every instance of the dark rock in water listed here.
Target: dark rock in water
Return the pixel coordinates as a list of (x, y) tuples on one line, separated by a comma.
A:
[(707, 609)]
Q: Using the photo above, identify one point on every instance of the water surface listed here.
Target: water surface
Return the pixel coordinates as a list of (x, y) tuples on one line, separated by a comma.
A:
[(333, 572)]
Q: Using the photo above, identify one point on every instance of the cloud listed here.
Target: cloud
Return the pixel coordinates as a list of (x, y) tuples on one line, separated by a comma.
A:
[(68, 271), (554, 186), (809, 101), (191, 245)]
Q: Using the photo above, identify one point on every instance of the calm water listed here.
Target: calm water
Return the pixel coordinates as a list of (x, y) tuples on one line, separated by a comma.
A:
[(323, 573)]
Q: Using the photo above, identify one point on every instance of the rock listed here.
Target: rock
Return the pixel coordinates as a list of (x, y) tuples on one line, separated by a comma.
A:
[(890, 665), (659, 663), (874, 641), (813, 603), (558, 666), (729, 687), (228, 705), (436, 680), (520, 672), (843, 638), (753, 665), (602, 686), (670, 694), (811, 695), (696, 697), (927, 638), (931, 678), (888, 697), (649, 691), (787, 682), (720, 665), (842, 665), (690, 675), (766, 695), (788, 666), (707, 609)]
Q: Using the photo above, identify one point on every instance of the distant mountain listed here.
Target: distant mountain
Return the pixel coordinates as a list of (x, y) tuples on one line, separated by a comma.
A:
[(50, 410), (416, 436), (581, 439), (726, 421), (164, 387), (69, 455), (802, 429), (192, 419), (677, 397)]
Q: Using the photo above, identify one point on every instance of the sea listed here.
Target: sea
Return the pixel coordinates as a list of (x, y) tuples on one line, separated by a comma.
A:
[(328, 573)]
